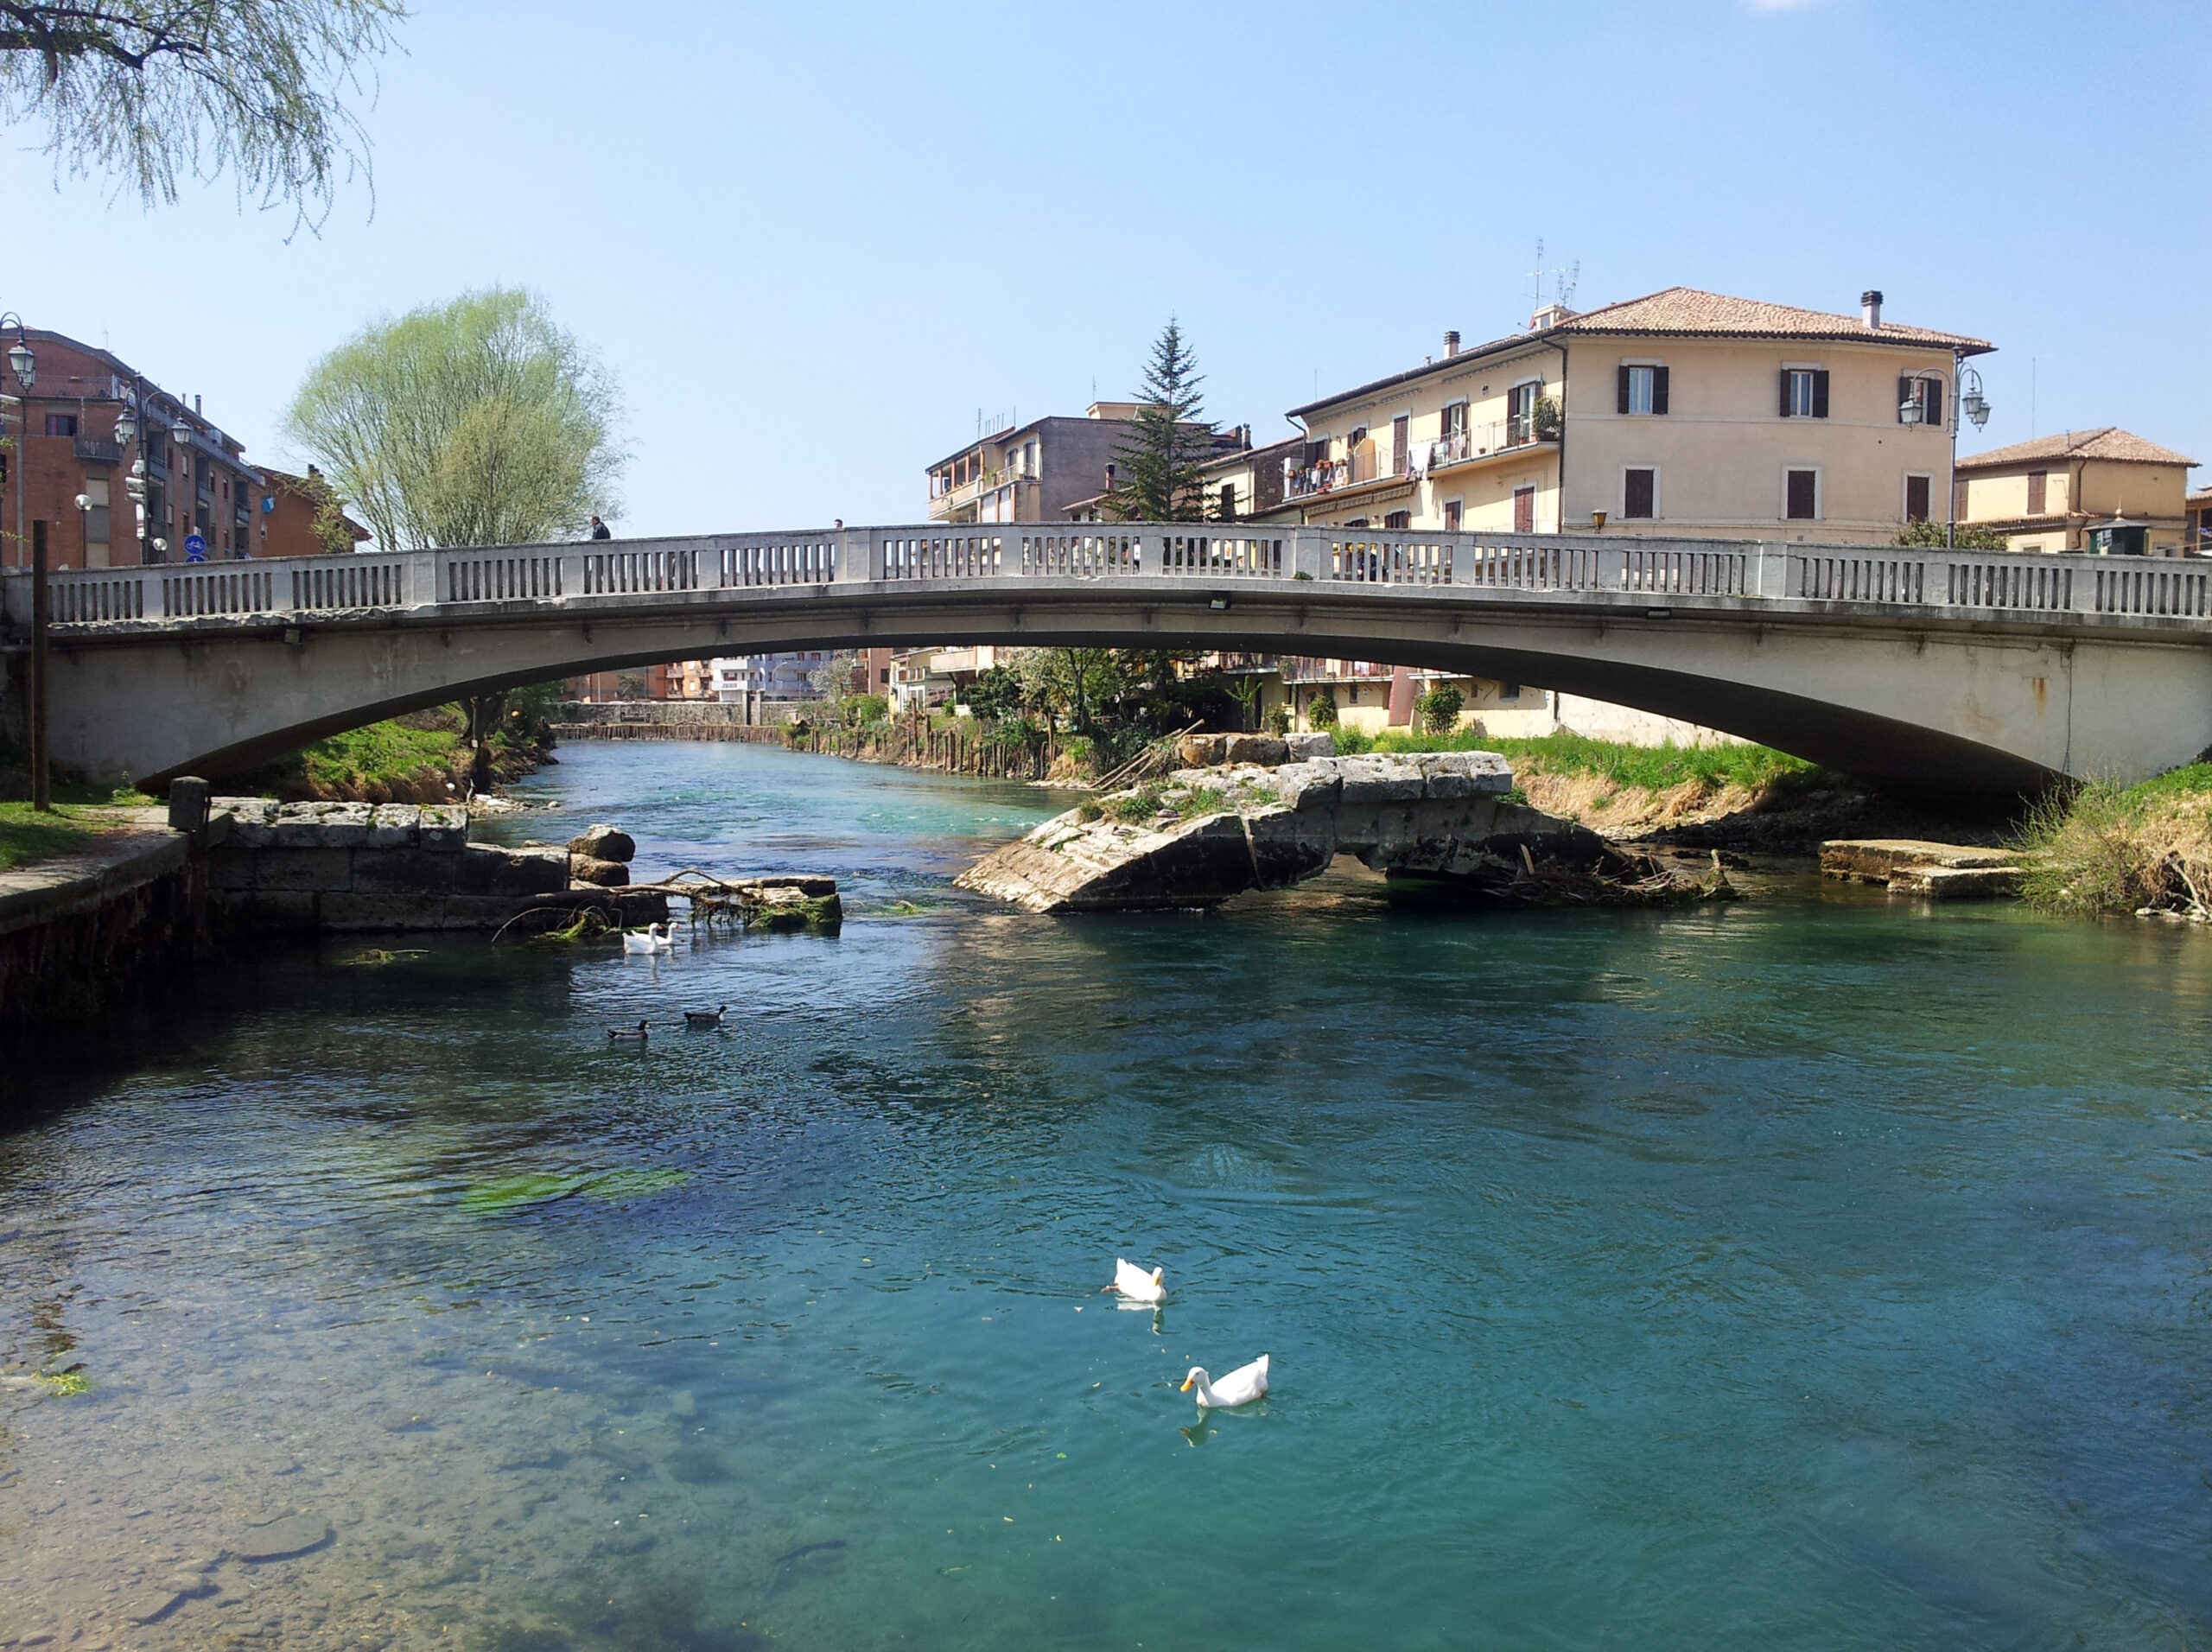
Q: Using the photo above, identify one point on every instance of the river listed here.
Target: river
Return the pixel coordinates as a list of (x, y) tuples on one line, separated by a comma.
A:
[(1821, 1271)]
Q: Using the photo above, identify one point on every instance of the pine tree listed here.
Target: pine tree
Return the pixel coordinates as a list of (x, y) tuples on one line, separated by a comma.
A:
[(1159, 466)]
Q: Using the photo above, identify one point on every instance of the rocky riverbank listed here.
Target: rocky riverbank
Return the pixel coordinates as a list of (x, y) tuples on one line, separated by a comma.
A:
[(1201, 835)]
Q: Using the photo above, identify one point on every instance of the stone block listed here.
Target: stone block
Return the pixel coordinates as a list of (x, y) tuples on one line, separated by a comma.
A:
[(298, 869), (480, 869), (358, 913), (603, 843), (585, 868), (248, 819), (444, 826), (394, 826), (322, 825), (1200, 751), (1304, 748), (1308, 786), (231, 869), (1465, 774), (401, 872), (1379, 780), (1268, 751)]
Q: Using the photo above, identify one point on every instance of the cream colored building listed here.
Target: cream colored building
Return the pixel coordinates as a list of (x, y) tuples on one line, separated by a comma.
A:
[(1682, 413), (2106, 490)]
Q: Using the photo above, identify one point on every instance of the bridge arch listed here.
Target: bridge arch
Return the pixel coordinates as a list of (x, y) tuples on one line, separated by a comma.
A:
[(1885, 681)]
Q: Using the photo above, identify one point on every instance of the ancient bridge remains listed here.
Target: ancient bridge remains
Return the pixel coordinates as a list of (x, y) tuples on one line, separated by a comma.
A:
[(1934, 670)]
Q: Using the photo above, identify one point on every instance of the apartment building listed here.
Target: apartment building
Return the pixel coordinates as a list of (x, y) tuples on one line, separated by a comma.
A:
[(197, 479), (2107, 490), (1054, 469), (1682, 413)]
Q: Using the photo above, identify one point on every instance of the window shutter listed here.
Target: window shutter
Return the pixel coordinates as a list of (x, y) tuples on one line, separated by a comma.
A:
[(1935, 402), (1821, 393), (1904, 395), (1658, 389), (1622, 405), (1785, 392)]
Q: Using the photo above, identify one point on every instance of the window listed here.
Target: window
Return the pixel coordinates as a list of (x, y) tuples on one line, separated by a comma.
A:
[(1521, 412), (1920, 401), (1642, 389), (1398, 519), (1455, 420), (1509, 690), (1401, 449), (2039, 491), (1524, 510), (1452, 510), (61, 424), (1915, 499), (1802, 495), (1804, 392), (1228, 501), (1639, 494)]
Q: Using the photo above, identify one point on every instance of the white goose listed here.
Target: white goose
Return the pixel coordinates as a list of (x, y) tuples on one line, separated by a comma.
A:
[(1239, 1387), (1136, 1284), (654, 937)]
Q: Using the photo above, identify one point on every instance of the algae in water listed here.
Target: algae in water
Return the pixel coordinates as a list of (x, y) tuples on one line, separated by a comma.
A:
[(509, 1193)]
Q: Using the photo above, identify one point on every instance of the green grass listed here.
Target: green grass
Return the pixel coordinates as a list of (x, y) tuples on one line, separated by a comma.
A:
[(1657, 768), (384, 753), (80, 814), (2106, 850)]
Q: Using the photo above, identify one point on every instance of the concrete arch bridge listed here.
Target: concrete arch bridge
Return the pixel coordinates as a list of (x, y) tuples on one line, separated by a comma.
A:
[(1922, 669)]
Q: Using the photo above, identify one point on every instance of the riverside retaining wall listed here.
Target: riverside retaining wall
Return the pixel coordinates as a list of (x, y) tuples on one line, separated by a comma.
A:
[(83, 931), (350, 868)]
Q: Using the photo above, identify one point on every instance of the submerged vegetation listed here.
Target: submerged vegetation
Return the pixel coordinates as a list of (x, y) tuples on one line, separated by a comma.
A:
[(511, 1193), (2107, 849)]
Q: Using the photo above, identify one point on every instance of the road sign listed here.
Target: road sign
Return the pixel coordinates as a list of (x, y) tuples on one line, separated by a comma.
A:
[(195, 548)]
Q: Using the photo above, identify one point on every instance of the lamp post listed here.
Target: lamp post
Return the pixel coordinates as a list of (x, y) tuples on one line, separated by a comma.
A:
[(1969, 401)]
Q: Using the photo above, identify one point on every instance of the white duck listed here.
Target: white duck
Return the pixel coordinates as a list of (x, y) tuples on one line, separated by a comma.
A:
[(1136, 1284), (1240, 1387)]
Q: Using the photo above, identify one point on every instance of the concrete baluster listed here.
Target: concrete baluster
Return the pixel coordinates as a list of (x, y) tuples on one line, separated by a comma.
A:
[(1309, 553)]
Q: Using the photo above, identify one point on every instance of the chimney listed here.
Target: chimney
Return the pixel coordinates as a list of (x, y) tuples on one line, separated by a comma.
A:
[(195, 405), (1109, 476), (1452, 343), (1870, 308)]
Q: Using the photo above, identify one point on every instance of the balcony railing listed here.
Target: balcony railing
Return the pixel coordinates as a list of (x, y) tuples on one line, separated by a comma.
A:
[(100, 450), (1479, 441)]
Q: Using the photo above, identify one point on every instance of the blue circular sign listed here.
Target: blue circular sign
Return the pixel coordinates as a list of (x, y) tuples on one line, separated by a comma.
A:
[(195, 548)]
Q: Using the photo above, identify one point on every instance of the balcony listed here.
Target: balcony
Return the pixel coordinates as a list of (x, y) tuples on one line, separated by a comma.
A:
[(100, 450), (944, 505), (1499, 439)]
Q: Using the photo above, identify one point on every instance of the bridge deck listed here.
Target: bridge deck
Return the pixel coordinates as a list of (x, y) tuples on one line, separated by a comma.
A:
[(1733, 574)]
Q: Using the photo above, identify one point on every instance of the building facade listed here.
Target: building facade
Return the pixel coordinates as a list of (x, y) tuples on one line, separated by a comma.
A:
[(1049, 470), (1682, 413), (64, 430), (2098, 491)]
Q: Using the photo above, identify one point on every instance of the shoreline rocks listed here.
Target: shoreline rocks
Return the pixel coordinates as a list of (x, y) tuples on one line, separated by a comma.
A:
[(1203, 835)]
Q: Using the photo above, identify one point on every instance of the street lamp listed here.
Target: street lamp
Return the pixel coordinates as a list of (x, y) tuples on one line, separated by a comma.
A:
[(1969, 401)]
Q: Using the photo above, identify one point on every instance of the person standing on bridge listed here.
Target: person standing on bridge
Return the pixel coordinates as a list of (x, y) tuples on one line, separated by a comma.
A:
[(598, 529)]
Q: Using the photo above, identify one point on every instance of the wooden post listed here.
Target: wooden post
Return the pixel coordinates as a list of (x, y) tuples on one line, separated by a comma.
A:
[(42, 779)]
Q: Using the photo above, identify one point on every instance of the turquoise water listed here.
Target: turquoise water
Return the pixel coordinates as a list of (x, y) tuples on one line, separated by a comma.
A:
[(1816, 1272)]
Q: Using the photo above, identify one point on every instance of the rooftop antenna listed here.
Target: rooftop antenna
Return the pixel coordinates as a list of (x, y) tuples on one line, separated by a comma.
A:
[(1563, 283)]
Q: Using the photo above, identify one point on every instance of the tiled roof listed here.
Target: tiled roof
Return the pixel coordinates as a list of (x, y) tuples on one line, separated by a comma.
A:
[(2109, 442), (1686, 312), (1679, 312)]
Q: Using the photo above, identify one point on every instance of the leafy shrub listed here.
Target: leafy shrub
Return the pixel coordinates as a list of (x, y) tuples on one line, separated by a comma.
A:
[(859, 710), (1321, 710), (1278, 719), (1440, 707), (1968, 536), (1352, 742)]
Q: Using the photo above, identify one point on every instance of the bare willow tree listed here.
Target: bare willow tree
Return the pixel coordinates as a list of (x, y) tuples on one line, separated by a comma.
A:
[(482, 422), (152, 91)]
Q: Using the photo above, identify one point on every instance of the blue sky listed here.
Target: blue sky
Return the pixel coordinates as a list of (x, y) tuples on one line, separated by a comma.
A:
[(814, 241)]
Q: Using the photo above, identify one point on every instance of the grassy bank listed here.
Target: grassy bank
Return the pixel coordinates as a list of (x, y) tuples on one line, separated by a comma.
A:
[(423, 756), (1616, 787), (79, 815), (2108, 849)]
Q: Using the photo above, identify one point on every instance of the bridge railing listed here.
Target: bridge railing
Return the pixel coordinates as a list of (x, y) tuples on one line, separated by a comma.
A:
[(1535, 565)]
